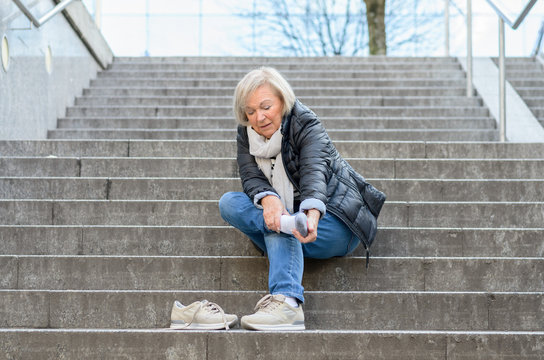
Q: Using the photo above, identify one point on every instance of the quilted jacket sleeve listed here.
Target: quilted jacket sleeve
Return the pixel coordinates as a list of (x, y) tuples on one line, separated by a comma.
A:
[(314, 156)]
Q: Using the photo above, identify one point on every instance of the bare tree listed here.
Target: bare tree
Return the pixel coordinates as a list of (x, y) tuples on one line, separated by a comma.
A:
[(414, 27), (318, 27), (375, 16), (345, 27)]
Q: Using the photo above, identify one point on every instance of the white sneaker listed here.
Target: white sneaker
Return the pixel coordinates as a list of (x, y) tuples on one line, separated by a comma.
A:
[(200, 315), (273, 313)]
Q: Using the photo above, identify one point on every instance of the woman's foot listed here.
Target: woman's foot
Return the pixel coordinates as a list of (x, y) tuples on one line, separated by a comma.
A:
[(273, 313), (298, 221)]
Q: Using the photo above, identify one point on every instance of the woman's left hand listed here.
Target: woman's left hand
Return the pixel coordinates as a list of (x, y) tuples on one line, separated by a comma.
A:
[(313, 216)]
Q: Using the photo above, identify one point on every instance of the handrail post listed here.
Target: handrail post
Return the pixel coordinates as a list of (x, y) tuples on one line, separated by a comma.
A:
[(446, 27), (58, 8), (470, 90), (27, 13), (502, 84), (39, 22), (98, 13)]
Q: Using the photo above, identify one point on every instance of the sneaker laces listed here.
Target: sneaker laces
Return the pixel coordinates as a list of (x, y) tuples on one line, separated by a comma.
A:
[(211, 308), (268, 304)]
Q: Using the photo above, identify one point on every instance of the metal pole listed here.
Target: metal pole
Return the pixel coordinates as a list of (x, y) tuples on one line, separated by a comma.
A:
[(469, 48), (502, 84), (98, 13), (60, 6), (146, 28), (253, 27), (200, 28), (447, 27)]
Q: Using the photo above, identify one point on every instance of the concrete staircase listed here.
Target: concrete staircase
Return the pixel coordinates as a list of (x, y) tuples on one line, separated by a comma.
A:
[(115, 216), (526, 74)]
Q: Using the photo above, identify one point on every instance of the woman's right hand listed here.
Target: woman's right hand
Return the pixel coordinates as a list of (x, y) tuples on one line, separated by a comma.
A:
[(272, 211)]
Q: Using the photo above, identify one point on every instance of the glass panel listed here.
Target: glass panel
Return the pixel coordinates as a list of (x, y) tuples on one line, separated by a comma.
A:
[(226, 35), (231, 27), (126, 35), (123, 7), (173, 36)]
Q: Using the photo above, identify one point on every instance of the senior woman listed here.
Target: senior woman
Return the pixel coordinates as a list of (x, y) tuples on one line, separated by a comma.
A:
[(288, 167)]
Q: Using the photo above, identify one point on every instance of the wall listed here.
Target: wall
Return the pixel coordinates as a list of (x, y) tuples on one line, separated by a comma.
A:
[(31, 98)]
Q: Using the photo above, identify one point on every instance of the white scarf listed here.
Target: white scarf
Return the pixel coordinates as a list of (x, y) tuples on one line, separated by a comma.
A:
[(264, 150)]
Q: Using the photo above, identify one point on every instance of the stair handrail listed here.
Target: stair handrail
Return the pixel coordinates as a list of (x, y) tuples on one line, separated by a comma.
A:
[(536, 51), (45, 18), (513, 22)]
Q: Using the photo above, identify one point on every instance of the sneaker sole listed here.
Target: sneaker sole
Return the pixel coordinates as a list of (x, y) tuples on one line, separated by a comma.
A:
[(219, 326), (274, 327)]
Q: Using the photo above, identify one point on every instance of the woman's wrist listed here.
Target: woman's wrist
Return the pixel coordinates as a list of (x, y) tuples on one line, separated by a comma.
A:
[(269, 199), (313, 215)]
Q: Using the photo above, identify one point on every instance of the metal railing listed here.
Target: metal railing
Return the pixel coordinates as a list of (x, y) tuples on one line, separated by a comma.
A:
[(536, 51), (507, 15), (513, 19), (42, 20)]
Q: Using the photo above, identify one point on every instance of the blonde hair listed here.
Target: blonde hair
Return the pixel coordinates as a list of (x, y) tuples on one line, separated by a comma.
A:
[(253, 80)]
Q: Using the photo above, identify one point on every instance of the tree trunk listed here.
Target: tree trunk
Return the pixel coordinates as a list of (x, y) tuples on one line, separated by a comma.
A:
[(375, 16)]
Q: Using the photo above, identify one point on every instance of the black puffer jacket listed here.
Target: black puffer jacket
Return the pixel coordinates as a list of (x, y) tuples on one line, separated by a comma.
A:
[(317, 170)]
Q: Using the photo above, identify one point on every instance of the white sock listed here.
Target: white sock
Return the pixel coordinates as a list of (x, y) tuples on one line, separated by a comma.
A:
[(291, 301), (287, 223)]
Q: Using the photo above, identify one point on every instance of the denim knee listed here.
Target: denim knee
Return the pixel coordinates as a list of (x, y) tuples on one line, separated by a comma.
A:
[(225, 204)]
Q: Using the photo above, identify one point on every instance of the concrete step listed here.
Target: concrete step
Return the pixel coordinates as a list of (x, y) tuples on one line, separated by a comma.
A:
[(299, 91), (336, 134), (206, 213), (336, 111), (311, 102), (324, 73), (227, 148), (516, 59), (212, 60), (522, 66), (228, 241), (228, 168), (530, 91), (228, 123), (226, 345), (522, 70), (82, 188), (288, 66), (295, 83), (528, 82), (64, 148), (208, 273), (460, 311), (534, 101)]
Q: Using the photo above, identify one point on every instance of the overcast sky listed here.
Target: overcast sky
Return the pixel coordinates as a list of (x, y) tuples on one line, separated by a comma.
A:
[(211, 27)]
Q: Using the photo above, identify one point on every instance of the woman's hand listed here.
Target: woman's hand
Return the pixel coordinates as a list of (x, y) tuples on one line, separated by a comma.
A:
[(313, 216), (272, 211)]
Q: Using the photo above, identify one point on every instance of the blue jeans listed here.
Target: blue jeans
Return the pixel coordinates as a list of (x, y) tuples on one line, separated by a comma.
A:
[(285, 253)]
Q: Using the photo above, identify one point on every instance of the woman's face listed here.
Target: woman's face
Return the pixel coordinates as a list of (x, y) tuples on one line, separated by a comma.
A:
[(264, 111)]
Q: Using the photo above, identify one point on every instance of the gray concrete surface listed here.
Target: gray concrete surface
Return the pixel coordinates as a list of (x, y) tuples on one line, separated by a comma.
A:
[(100, 236), (31, 98), (521, 124), (226, 241)]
